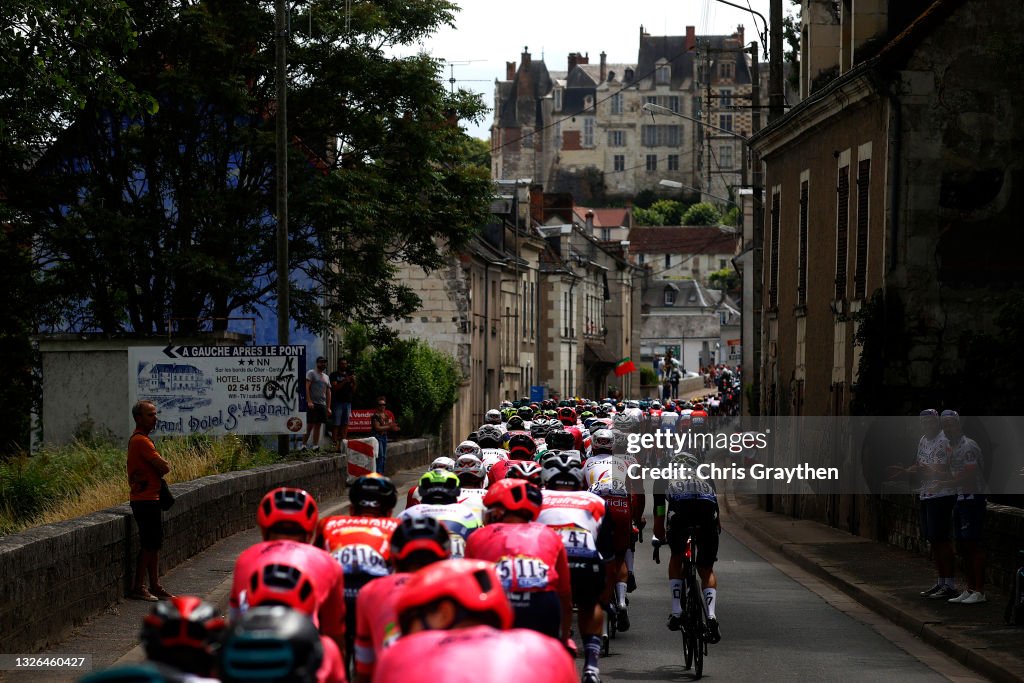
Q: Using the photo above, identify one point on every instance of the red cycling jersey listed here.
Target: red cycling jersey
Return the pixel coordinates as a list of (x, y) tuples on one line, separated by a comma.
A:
[(527, 557), (479, 654), (377, 620), (498, 471), (361, 545), (321, 569)]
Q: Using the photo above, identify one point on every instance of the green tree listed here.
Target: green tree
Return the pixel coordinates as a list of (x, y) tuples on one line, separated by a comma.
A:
[(420, 383), (56, 54), (704, 213), (478, 153), (726, 278), (661, 212), (182, 199)]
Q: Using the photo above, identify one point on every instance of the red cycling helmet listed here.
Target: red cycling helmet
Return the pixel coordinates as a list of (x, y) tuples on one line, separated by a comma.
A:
[(521, 447), (471, 584), (287, 509), (567, 416), (515, 495), (183, 632), (281, 584)]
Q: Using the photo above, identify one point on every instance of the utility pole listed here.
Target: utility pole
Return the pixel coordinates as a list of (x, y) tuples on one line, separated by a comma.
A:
[(707, 91), (775, 79), (757, 241), (283, 284)]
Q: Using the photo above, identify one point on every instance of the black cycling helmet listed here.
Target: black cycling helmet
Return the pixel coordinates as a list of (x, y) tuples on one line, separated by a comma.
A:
[(559, 439), (515, 424), (419, 541), (374, 492), (271, 644), (525, 412), (539, 429)]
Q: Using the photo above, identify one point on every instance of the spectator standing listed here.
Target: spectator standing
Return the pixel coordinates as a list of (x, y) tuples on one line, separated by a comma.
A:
[(965, 466), (931, 465), (382, 423), (674, 377), (146, 469), (343, 388), (318, 402)]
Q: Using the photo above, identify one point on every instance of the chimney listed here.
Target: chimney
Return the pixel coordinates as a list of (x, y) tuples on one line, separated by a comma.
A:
[(642, 34), (510, 71), (739, 32), (525, 81), (526, 58), (573, 60), (590, 223), (691, 38), (604, 66)]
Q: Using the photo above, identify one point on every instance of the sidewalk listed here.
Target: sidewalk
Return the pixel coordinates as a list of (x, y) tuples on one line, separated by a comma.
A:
[(113, 637), (888, 580)]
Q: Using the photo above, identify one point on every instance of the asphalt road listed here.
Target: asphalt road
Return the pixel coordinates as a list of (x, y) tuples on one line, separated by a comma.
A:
[(774, 628)]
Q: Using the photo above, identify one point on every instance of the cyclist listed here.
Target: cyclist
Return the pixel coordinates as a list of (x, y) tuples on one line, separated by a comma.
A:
[(416, 543), (690, 502), (359, 541), (489, 436), (183, 632), (526, 469), (494, 417), (456, 622), (521, 447), (606, 476), (582, 521), (471, 473), (286, 570), (277, 639), (530, 559), (516, 424), (440, 491), (442, 462), (567, 416)]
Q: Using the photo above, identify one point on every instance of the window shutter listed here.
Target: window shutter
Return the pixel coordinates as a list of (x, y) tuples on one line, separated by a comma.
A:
[(801, 285), (842, 230), (861, 272), (773, 284)]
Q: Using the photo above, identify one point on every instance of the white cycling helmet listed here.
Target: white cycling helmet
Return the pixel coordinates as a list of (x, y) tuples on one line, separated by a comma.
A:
[(443, 463), (467, 448)]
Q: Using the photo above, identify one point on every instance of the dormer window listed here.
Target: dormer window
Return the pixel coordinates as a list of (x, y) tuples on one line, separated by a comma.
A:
[(670, 295), (663, 74), (558, 99), (726, 70), (611, 76), (629, 75)]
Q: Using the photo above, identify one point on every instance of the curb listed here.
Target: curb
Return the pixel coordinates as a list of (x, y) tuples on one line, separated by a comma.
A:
[(928, 631)]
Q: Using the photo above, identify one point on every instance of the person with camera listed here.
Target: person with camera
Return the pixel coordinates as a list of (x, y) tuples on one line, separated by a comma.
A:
[(343, 388)]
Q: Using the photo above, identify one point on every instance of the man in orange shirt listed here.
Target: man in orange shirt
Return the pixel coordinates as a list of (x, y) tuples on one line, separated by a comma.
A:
[(145, 470)]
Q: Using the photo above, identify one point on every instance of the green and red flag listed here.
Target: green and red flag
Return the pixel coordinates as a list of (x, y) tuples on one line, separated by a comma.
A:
[(624, 367)]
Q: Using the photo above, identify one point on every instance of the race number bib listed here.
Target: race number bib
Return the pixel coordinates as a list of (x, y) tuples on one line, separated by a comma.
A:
[(458, 544), (361, 559), (522, 573), (579, 543)]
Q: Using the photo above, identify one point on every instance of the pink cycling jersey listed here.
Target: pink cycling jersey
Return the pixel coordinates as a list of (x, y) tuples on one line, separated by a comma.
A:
[(319, 567), (527, 557), (332, 668), (479, 654), (377, 620)]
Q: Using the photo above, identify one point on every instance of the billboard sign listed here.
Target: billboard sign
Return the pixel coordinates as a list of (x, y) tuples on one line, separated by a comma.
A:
[(220, 389)]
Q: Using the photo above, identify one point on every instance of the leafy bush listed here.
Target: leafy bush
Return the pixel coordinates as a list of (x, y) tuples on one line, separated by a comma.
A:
[(421, 384), (704, 213), (648, 376)]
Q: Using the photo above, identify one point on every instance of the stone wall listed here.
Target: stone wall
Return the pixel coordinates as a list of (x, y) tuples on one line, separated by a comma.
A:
[(54, 577)]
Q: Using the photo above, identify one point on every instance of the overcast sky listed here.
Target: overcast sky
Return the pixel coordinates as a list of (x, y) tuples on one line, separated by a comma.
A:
[(489, 33)]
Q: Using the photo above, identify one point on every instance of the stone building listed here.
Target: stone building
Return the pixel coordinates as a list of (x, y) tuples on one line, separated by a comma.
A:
[(584, 130), (683, 252)]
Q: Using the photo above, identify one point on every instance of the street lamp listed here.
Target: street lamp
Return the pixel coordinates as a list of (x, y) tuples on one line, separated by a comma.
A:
[(665, 182)]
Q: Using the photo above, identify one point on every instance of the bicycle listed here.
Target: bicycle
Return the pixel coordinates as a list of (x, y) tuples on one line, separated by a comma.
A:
[(694, 627)]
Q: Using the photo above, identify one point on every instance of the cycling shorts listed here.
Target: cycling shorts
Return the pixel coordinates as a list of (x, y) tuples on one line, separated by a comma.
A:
[(588, 581), (539, 611), (694, 512), (937, 518)]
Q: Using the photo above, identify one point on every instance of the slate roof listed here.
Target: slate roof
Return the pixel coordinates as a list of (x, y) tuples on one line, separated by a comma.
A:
[(525, 111), (594, 71), (682, 240), (672, 48), (689, 294)]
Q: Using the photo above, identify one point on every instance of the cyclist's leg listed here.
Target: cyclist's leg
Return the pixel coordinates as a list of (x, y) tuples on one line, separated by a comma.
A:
[(707, 555), (588, 588), (675, 531)]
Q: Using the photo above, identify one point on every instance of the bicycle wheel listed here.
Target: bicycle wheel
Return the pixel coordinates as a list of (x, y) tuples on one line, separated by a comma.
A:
[(687, 648)]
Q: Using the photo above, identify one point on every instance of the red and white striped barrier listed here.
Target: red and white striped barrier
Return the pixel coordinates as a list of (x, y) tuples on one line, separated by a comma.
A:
[(361, 457)]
